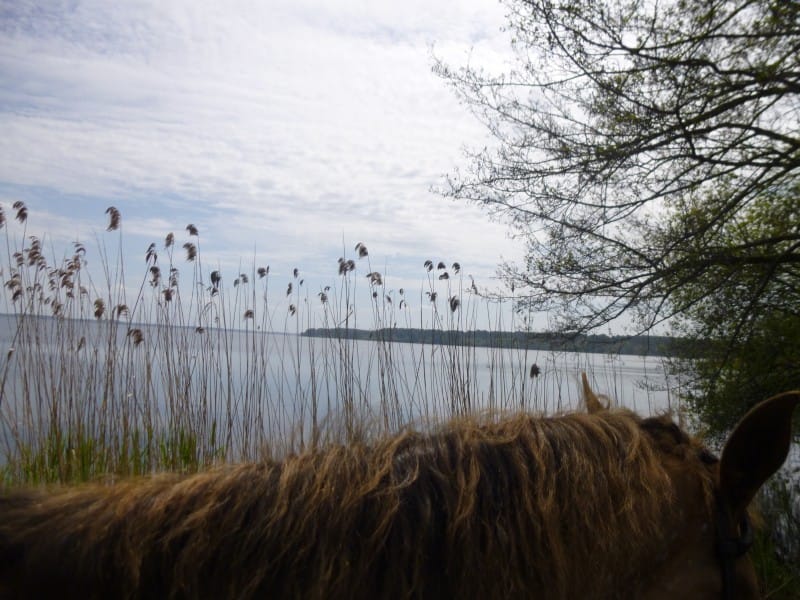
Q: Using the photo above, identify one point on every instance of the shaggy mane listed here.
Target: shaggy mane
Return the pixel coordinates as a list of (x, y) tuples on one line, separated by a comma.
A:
[(569, 506)]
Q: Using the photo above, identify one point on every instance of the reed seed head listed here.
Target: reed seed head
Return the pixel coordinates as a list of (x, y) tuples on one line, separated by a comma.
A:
[(35, 257), (114, 218), (346, 266), (99, 308), (192, 230), (136, 335), (155, 276), (191, 251), (22, 211), (454, 303)]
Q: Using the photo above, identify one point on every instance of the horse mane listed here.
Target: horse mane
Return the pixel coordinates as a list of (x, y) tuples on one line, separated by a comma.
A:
[(568, 506)]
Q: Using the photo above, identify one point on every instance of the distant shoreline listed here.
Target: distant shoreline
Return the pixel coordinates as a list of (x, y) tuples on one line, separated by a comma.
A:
[(639, 345)]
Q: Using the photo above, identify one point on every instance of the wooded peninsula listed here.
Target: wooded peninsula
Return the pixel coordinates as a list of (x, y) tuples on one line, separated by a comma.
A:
[(640, 345)]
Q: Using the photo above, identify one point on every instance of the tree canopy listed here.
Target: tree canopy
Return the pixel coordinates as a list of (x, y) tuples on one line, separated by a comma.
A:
[(648, 153), (747, 316)]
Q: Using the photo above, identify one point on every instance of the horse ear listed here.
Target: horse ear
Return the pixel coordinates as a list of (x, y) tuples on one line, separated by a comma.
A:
[(756, 449), (590, 399)]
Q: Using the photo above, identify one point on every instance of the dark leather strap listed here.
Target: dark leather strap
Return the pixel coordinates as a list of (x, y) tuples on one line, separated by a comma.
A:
[(733, 542)]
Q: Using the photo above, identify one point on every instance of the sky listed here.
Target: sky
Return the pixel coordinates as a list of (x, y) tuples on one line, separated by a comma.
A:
[(286, 131)]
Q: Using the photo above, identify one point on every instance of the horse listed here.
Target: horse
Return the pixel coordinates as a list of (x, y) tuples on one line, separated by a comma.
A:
[(597, 503)]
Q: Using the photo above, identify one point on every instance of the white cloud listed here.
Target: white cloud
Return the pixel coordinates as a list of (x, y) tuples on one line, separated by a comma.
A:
[(287, 125)]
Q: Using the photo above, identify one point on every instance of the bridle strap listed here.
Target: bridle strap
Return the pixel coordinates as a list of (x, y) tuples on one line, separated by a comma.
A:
[(732, 543)]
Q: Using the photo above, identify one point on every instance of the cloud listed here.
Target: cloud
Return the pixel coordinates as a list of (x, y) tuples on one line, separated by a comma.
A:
[(290, 127)]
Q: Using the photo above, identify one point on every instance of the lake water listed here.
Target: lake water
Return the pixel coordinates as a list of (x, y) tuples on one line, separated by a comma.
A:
[(261, 385)]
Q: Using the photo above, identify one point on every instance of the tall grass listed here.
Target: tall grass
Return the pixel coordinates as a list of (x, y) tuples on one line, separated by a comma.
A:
[(173, 365), (776, 553)]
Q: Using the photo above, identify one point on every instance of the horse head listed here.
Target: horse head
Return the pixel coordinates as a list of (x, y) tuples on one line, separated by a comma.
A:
[(707, 556)]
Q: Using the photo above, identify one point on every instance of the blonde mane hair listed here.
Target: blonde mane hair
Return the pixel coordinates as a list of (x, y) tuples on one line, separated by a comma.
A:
[(563, 507)]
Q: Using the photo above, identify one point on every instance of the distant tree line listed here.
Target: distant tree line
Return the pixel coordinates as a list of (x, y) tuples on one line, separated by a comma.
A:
[(640, 345)]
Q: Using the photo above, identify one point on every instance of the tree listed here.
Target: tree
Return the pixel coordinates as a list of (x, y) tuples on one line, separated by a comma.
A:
[(738, 364), (631, 139)]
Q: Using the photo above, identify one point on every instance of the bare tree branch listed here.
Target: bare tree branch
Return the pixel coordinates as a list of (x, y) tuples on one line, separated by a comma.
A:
[(636, 142)]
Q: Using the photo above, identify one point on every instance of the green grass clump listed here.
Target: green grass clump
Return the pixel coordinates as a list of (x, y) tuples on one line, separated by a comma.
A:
[(776, 550)]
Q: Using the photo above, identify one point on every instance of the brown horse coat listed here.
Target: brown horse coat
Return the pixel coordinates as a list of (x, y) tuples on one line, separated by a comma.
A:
[(599, 505)]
